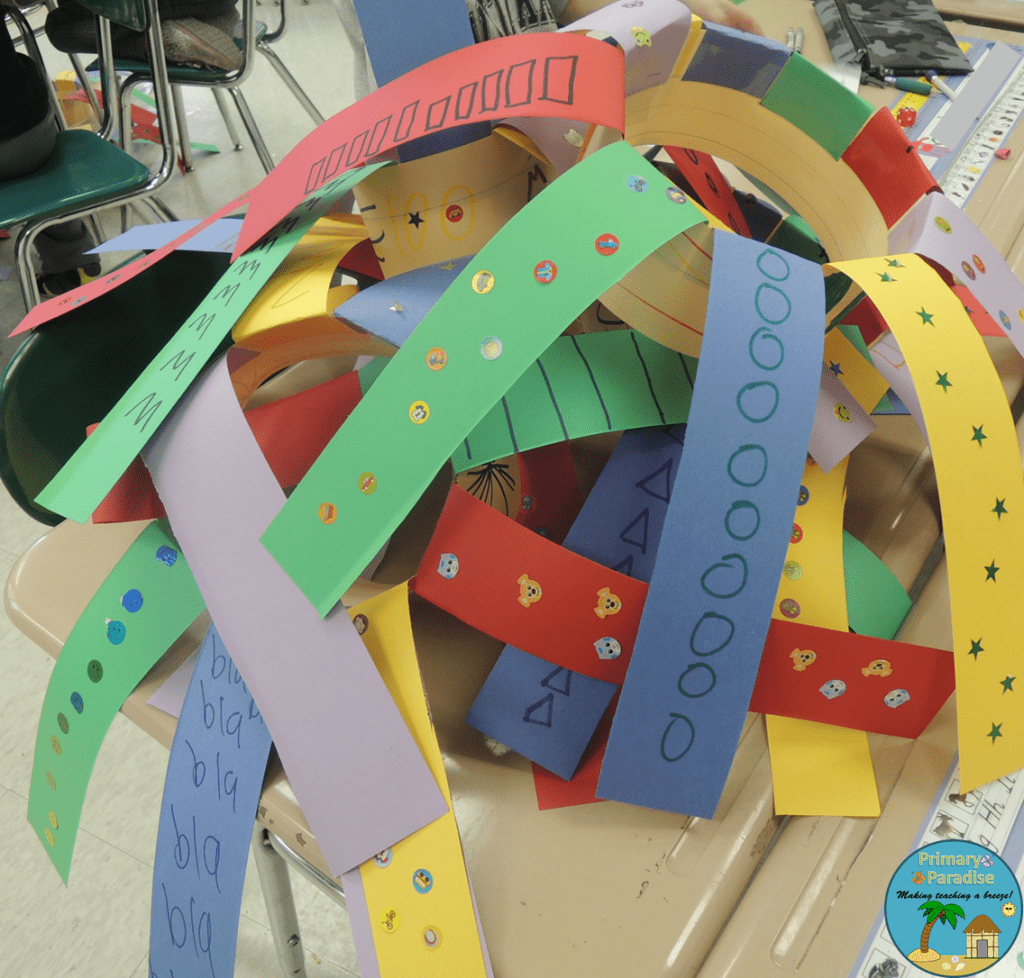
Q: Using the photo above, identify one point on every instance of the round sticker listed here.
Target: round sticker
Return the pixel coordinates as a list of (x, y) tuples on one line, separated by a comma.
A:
[(968, 270), (115, 632), (55, 744), (842, 412), (792, 570), (432, 937), (422, 881), (943, 225), (436, 358), (327, 512), (789, 608), (675, 195), (454, 213), (361, 623), (802, 496), (545, 271), (390, 920), (978, 264), (637, 184), (642, 36), (50, 838), (419, 411), (943, 904), (1020, 315), (490, 349), (607, 244), (1005, 320), (95, 670), (482, 283), (384, 857), (53, 819), (797, 534), (62, 722), (76, 702), (367, 483), (50, 781), (131, 600)]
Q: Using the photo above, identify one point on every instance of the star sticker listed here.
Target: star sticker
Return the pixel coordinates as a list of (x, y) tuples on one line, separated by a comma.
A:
[(996, 731), (414, 219), (999, 508), (991, 570), (894, 263), (926, 317), (1007, 684), (944, 382), (885, 276), (975, 648), (979, 436), (835, 368)]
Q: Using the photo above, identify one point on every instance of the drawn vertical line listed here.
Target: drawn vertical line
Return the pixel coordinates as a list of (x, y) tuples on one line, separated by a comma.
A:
[(597, 390), (469, 453), (511, 430), (650, 385), (554, 401), (686, 369)]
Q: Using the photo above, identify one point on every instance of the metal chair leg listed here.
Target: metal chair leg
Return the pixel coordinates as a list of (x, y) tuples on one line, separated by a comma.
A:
[(26, 273), (277, 895), (250, 125), (179, 119), (289, 79), (229, 124)]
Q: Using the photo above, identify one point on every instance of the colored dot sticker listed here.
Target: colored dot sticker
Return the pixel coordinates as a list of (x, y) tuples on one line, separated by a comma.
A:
[(390, 920), (50, 838), (362, 623), (545, 272), (95, 670), (436, 358), (793, 570), (797, 535), (943, 225), (327, 512), (1020, 315), (789, 608), (637, 184), (115, 632), (968, 270), (367, 483), (131, 600), (607, 244), (842, 412), (76, 702), (384, 857), (432, 937), (50, 780), (53, 819), (642, 36), (55, 744), (166, 555), (803, 496), (978, 264), (422, 881), (419, 411), (482, 282), (491, 348), (1005, 320), (62, 722), (675, 195), (454, 213)]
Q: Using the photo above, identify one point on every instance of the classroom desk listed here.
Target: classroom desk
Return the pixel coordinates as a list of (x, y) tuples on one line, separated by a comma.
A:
[(610, 889)]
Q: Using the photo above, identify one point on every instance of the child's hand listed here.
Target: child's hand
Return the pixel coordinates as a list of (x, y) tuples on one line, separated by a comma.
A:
[(724, 12)]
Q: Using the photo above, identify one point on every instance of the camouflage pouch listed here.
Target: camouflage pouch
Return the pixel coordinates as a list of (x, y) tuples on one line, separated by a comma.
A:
[(890, 37)]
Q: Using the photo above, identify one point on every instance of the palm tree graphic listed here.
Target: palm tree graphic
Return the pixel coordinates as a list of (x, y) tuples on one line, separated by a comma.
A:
[(934, 911)]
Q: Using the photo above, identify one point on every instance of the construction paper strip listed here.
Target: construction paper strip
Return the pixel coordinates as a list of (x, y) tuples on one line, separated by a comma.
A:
[(887, 356), (214, 778), (855, 370), (550, 497), (537, 74), (734, 59), (854, 681), (493, 322), (593, 383), (875, 600), (291, 433), (840, 423), (145, 603), (710, 184), (978, 470), (938, 230), (888, 166), (805, 776), (54, 307), (511, 583), (417, 893), (731, 515), (88, 475), (351, 761), (219, 236), (817, 104)]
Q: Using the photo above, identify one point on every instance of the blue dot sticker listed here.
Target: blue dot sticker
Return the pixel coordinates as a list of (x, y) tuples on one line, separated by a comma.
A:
[(422, 881), (76, 702), (166, 555), (953, 906), (131, 600)]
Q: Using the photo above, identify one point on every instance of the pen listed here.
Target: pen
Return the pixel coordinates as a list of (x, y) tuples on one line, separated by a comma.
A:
[(908, 85), (798, 45), (940, 85)]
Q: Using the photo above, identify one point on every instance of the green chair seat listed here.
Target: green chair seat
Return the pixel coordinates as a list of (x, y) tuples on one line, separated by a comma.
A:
[(83, 169)]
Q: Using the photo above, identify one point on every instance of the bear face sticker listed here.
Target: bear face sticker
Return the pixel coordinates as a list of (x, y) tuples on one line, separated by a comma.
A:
[(448, 566), (608, 648)]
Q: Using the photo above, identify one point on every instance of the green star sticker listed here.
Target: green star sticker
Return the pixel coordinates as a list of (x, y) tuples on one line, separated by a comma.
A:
[(885, 276), (996, 731), (1007, 684), (894, 263), (979, 436), (944, 382), (926, 317), (991, 570), (975, 648), (999, 508)]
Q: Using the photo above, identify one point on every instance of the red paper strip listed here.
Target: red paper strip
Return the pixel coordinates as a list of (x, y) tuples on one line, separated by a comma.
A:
[(514, 585), (984, 323), (291, 433), (851, 680), (550, 492), (546, 75), (581, 789), (711, 186), (888, 166)]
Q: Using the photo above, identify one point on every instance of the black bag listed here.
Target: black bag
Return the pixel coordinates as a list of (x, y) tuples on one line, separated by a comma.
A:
[(891, 37)]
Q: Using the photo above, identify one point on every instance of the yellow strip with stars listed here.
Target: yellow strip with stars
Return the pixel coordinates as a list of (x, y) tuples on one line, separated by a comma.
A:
[(981, 491)]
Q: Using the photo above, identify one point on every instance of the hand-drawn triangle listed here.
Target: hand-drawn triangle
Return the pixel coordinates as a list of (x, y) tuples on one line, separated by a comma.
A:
[(546, 681), (662, 488), (530, 710), (625, 566), (644, 517)]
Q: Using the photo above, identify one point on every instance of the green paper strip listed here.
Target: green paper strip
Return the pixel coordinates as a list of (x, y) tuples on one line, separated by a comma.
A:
[(584, 385), (91, 472), (818, 105), (145, 603), (492, 323), (876, 603)]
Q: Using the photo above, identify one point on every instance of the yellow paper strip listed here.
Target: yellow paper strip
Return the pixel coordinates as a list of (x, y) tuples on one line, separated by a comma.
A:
[(857, 375), (981, 491)]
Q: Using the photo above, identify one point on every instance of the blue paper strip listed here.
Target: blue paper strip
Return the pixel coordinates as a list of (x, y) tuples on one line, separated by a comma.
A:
[(693, 668), (733, 59), (214, 777)]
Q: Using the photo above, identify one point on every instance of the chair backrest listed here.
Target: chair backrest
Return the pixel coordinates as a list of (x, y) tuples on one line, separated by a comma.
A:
[(134, 14), (69, 376)]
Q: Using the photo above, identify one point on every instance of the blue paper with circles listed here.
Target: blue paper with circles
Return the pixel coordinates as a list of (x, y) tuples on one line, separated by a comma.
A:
[(214, 777), (685, 697)]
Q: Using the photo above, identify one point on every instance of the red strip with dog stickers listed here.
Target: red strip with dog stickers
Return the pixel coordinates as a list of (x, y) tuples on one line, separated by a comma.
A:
[(851, 680), (511, 583)]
